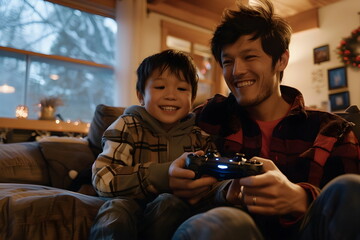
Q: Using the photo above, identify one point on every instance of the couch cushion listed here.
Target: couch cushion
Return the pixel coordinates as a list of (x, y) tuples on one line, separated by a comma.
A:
[(66, 160), (352, 114), (103, 117), (26, 166), (40, 212)]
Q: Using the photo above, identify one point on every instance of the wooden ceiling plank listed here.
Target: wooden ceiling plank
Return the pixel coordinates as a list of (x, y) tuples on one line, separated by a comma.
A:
[(196, 10), (208, 22), (304, 20), (302, 14), (155, 1)]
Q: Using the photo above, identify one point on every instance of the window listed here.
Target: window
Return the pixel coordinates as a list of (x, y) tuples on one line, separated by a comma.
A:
[(195, 43), (51, 50)]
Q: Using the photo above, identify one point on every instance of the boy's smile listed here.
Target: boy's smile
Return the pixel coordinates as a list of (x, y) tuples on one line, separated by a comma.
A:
[(169, 108), (167, 98)]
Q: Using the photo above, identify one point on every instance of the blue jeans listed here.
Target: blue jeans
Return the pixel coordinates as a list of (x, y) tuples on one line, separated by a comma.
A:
[(122, 218), (333, 215)]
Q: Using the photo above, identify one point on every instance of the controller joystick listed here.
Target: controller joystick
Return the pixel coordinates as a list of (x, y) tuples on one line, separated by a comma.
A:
[(212, 154), (222, 167), (239, 157)]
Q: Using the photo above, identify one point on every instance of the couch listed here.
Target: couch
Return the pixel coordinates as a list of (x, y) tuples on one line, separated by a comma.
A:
[(45, 186)]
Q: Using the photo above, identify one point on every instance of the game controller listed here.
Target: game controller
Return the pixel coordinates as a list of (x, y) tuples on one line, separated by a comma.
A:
[(222, 168)]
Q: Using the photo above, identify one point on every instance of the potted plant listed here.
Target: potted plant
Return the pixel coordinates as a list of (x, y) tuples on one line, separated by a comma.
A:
[(48, 107)]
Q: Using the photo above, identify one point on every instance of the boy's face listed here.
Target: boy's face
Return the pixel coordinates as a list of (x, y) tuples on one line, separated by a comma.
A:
[(167, 98), (248, 71)]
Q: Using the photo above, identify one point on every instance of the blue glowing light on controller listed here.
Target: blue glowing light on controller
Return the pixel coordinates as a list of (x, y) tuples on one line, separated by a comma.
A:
[(217, 159), (222, 166)]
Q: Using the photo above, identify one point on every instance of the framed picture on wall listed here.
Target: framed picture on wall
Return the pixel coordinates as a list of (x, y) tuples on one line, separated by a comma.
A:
[(321, 54), (339, 101), (337, 78)]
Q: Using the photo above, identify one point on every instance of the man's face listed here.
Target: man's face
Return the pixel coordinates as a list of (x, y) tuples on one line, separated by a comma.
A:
[(248, 71), (167, 98)]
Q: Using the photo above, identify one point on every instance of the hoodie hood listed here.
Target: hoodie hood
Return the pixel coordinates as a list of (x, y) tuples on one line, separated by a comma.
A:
[(153, 124)]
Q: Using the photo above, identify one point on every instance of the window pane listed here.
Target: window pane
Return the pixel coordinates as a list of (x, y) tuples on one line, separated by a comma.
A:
[(52, 29), (80, 87), (178, 44), (42, 27), (12, 69)]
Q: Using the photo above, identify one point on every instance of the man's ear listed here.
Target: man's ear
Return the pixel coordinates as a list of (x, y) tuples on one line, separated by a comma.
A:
[(140, 98), (283, 61)]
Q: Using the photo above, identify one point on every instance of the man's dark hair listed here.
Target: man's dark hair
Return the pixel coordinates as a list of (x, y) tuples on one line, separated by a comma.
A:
[(177, 62), (259, 20)]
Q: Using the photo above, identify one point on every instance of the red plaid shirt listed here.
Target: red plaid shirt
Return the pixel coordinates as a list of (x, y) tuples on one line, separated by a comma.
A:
[(310, 147)]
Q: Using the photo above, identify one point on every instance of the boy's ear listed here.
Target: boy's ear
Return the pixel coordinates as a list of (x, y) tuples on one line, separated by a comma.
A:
[(140, 97), (192, 101)]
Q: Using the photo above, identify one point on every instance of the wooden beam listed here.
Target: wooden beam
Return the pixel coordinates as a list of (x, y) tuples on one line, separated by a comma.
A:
[(155, 1), (178, 31), (304, 21), (198, 16)]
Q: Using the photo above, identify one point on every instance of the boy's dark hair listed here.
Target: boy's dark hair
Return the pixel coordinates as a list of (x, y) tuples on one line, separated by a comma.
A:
[(260, 20), (177, 62)]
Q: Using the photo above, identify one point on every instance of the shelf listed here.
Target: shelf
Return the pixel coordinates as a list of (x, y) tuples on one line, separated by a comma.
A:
[(44, 125)]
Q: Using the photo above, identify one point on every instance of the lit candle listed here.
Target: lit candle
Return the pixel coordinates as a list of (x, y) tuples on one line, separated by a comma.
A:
[(22, 111)]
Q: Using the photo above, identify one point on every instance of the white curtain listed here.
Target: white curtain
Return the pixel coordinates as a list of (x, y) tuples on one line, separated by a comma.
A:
[(130, 16)]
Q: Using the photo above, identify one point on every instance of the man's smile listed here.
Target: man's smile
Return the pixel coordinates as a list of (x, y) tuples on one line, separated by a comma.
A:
[(244, 83)]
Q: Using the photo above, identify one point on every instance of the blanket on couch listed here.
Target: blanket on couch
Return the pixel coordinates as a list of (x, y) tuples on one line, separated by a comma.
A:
[(45, 212)]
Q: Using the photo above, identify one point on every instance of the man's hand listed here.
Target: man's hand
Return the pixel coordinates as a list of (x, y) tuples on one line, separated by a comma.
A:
[(270, 193), (182, 181)]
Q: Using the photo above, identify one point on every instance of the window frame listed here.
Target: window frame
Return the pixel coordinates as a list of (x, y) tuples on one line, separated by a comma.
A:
[(195, 37), (105, 8), (56, 57)]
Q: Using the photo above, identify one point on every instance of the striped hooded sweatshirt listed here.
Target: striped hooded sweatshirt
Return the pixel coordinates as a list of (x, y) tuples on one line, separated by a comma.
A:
[(137, 153)]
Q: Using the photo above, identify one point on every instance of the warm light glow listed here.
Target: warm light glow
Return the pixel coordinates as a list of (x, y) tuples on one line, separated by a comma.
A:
[(54, 77), (22, 111), (253, 2), (6, 89)]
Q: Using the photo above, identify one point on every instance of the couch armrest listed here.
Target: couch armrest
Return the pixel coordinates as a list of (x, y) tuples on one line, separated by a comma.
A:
[(23, 163)]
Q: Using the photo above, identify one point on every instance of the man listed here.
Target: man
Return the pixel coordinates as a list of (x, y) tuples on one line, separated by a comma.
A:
[(301, 149)]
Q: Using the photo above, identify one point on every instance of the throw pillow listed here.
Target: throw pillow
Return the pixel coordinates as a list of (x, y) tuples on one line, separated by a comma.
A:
[(104, 116), (66, 160), (352, 114)]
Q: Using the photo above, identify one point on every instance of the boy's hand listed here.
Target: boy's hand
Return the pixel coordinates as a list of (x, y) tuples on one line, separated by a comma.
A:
[(182, 181)]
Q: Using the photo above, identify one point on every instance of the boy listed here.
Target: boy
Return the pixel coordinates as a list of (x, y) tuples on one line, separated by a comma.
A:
[(140, 146)]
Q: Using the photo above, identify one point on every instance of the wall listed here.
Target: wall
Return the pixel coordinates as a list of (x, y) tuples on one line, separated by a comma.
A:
[(336, 22), (150, 44)]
